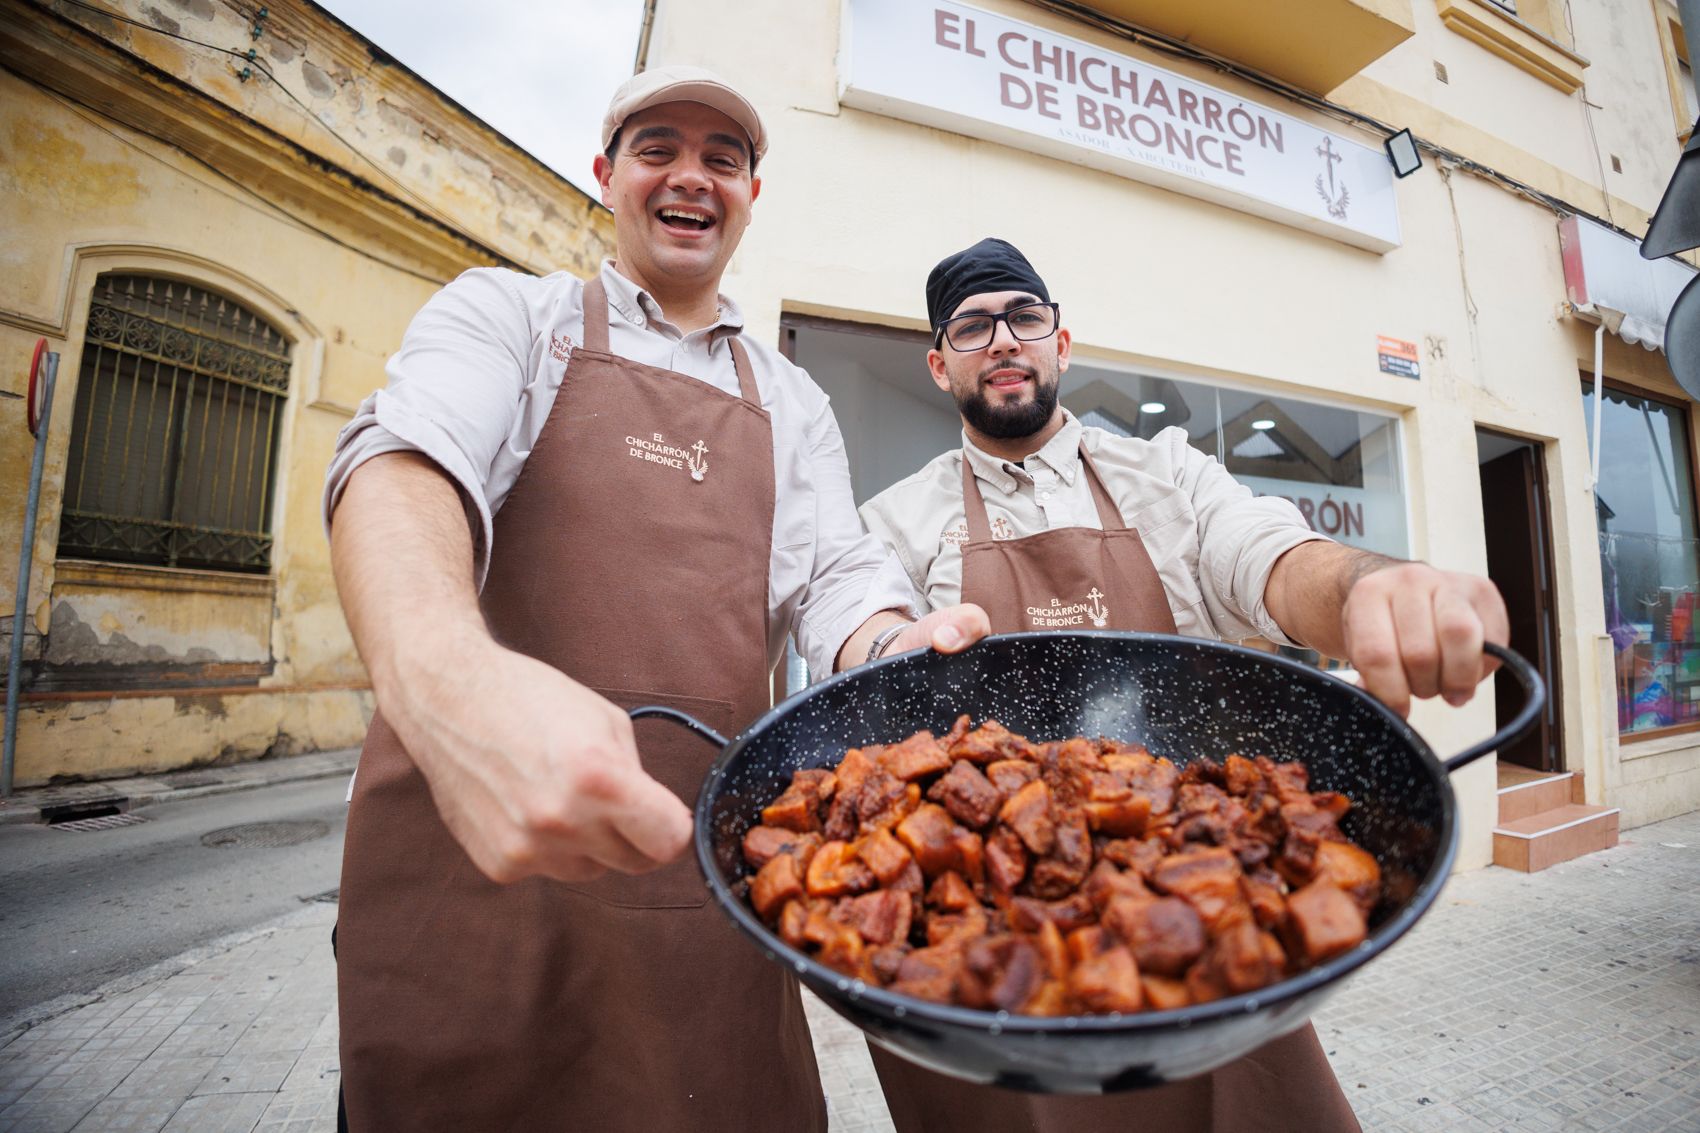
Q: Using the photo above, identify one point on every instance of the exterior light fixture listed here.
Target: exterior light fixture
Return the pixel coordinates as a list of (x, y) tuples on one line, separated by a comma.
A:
[(1402, 152), (1264, 423), (1152, 407)]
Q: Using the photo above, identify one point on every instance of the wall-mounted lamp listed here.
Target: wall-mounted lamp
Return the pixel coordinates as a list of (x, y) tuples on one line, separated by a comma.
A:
[(1263, 423), (1152, 407), (1402, 152)]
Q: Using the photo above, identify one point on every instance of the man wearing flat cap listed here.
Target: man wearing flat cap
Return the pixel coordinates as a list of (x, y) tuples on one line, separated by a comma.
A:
[(1036, 513), (575, 497)]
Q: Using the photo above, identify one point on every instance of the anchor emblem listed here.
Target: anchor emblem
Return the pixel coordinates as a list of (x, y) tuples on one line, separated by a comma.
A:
[(1336, 204), (1001, 528), (1100, 612), (698, 460)]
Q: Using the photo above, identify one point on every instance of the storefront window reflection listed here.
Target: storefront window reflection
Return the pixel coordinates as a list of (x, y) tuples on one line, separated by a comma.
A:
[(1648, 559), (1340, 467)]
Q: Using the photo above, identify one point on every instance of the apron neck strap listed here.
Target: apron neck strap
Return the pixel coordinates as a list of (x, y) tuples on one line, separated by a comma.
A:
[(595, 315), (746, 376), (1109, 515), (596, 338), (974, 504)]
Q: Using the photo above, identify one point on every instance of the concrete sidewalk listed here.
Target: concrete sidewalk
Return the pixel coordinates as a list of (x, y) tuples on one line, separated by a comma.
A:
[(1564, 1000)]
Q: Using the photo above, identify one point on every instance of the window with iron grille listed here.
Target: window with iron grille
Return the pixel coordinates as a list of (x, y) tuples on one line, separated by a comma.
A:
[(174, 434)]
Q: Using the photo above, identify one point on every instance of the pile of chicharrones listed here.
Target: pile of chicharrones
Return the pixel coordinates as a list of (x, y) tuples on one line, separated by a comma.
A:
[(1072, 877)]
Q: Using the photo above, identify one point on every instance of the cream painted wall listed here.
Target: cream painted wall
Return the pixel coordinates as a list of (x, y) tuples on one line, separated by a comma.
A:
[(857, 207)]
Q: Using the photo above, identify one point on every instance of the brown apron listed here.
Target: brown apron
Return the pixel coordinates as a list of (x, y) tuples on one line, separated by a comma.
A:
[(632, 554), (1075, 577)]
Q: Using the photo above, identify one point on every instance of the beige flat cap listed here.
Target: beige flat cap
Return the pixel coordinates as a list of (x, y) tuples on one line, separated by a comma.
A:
[(682, 84)]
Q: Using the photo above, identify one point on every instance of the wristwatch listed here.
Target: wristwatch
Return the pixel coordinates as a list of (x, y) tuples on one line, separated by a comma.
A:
[(886, 637)]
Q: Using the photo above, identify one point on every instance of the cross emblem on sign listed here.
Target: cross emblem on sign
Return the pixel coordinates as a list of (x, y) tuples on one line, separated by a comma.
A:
[(1337, 202), (1326, 151)]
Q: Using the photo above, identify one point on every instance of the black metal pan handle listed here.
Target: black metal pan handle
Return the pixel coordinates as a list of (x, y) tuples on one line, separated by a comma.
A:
[(673, 715), (1534, 689)]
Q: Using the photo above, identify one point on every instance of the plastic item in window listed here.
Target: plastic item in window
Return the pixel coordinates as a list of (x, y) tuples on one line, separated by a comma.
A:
[(1652, 707)]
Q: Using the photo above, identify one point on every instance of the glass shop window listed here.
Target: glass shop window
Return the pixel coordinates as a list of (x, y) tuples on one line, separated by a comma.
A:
[(1649, 560), (1340, 467)]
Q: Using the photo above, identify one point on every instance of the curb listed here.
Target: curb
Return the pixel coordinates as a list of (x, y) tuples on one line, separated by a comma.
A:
[(40, 805)]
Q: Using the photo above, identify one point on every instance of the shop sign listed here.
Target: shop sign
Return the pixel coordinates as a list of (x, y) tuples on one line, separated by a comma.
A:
[(1396, 356), (1357, 517), (974, 72)]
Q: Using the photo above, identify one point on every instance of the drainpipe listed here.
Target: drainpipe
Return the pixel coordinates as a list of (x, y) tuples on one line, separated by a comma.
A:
[(42, 415), (641, 63), (1599, 352)]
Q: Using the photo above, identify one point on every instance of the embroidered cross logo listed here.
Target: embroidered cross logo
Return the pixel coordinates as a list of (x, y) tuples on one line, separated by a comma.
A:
[(1100, 612), (698, 460)]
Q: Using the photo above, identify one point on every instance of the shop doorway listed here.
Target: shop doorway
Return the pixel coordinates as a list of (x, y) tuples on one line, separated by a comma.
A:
[(1519, 555)]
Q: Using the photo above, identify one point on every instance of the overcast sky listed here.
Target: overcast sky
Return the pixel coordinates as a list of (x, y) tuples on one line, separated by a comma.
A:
[(541, 73)]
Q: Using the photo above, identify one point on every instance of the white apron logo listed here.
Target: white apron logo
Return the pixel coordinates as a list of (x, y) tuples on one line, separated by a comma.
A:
[(656, 450), (1057, 614)]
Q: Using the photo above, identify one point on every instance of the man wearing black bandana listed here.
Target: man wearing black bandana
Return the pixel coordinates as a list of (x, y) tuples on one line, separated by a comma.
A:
[(1049, 524)]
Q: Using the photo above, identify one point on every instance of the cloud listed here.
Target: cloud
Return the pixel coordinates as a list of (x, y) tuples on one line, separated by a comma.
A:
[(539, 73)]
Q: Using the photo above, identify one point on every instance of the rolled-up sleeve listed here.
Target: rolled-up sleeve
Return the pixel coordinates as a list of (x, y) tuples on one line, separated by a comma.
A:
[(1240, 535), (855, 575), (453, 392)]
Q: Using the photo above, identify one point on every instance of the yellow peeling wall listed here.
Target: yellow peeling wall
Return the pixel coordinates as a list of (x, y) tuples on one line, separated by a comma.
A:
[(82, 194), (857, 207)]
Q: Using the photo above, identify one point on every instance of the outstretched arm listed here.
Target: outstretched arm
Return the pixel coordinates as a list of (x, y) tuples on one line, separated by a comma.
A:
[(533, 773), (949, 630), (1408, 628)]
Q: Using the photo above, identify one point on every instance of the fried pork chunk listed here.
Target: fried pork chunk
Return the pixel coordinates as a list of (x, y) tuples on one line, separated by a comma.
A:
[(1076, 876)]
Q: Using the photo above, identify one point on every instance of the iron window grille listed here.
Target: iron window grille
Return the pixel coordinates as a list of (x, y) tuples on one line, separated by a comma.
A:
[(175, 430)]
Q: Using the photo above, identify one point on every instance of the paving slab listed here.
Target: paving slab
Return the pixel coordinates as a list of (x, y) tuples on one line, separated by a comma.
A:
[(1567, 1000)]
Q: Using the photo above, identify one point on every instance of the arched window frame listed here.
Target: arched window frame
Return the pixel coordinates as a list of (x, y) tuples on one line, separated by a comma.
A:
[(85, 264)]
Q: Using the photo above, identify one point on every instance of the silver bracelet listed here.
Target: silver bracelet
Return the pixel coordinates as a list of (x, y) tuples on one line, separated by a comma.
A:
[(886, 637)]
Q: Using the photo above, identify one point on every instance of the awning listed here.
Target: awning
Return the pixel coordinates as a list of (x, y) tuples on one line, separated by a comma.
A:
[(1609, 282)]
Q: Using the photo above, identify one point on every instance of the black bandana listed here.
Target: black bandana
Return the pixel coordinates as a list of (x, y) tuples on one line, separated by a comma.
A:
[(990, 265)]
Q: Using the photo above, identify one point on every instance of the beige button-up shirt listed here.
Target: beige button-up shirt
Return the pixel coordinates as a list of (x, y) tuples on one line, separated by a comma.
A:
[(477, 373), (1213, 543)]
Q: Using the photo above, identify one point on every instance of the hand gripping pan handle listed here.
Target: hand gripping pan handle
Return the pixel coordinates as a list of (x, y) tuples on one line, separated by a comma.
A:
[(1535, 692)]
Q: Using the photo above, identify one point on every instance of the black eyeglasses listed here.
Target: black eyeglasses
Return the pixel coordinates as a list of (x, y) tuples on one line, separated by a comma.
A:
[(1029, 323)]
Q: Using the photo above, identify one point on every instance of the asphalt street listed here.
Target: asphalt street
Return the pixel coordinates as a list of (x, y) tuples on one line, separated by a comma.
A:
[(80, 908)]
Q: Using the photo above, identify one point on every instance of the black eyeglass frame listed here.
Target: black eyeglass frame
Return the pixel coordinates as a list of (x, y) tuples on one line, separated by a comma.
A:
[(941, 332)]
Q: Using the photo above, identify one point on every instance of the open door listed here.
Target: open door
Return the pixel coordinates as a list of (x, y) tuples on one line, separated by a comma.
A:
[(1519, 562)]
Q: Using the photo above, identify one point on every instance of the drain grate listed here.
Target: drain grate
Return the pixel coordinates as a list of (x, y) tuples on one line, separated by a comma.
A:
[(266, 834), (98, 822)]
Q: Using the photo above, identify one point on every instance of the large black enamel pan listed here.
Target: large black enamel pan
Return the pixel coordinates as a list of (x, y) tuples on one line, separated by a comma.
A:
[(1183, 698)]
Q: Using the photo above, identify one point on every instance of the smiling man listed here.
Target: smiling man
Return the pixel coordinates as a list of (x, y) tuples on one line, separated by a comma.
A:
[(1046, 524), (572, 498)]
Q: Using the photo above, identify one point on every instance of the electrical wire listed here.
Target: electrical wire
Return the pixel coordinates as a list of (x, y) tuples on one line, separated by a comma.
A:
[(251, 59), (1166, 45)]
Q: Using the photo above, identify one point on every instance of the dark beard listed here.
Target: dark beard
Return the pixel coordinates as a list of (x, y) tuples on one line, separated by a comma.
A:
[(1009, 423)]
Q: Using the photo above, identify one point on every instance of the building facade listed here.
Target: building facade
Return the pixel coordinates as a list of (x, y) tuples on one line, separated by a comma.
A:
[(223, 248), (1205, 188)]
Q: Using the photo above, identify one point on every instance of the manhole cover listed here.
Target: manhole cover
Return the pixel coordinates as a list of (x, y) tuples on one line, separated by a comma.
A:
[(266, 834), (98, 822)]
